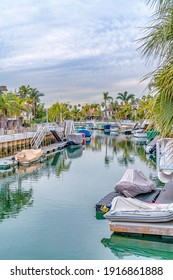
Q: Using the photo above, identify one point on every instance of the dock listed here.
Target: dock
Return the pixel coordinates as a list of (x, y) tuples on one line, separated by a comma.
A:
[(162, 229), (106, 200), (54, 147), (6, 163)]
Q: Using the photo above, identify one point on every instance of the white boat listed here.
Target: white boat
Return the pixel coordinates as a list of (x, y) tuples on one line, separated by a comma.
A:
[(140, 133), (114, 128), (151, 146), (29, 156), (134, 210), (74, 140), (7, 163)]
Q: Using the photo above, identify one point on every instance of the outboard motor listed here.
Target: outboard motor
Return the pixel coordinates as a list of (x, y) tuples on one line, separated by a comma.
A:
[(152, 150)]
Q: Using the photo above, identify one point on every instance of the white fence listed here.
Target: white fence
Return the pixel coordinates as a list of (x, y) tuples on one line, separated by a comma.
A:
[(17, 136)]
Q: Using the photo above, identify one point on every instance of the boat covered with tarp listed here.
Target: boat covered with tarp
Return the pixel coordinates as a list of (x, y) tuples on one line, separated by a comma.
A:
[(129, 209), (134, 182), (29, 156), (75, 139), (85, 131)]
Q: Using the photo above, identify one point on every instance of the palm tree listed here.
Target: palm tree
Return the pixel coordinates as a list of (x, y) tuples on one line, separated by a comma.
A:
[(12, 105), (158, 43), (24, 91), (106, 98), (35, 95), (125, 97)]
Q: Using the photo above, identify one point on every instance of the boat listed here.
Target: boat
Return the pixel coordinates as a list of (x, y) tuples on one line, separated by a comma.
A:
[(107, 127), (4, 165), (140, 133), (151, 146), (7, 163), (151, 134), (133, 183), (86, 133), (114, 128), (74, 140), (29, 156), (129, 209)]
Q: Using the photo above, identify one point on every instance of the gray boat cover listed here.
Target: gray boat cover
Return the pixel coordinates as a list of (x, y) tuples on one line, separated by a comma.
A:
[(134, 182), (76, 138), (120, 203)]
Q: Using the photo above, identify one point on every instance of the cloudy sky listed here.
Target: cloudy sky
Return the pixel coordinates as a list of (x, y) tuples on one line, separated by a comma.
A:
[(73, 50)]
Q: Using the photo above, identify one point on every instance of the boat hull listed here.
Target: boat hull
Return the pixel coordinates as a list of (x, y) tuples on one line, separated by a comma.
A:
[(140, 216)]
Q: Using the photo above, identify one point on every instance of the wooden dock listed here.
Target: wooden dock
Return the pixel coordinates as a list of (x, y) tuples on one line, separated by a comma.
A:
[(163, 229), (165, 195), (54, 147), (107, 200)]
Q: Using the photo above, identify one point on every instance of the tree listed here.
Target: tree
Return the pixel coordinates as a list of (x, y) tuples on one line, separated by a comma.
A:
[(106, 98), (35, 95), (24, 91), (157, 43), (125, 97), (12, 105)]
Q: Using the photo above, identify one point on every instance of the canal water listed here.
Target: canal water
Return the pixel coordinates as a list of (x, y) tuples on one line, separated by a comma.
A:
[(47, 211)]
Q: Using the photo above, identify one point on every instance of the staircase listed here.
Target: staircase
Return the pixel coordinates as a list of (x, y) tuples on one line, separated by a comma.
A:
[(55, 134), (69, 127), (43, 130)]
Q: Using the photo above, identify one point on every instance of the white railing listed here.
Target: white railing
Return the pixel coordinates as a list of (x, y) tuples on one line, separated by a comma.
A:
[(15, 137), (69, 127), (42, 131), (164, 154)]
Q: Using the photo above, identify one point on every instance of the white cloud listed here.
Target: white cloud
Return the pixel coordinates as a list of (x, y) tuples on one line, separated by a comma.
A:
[(73, 45)]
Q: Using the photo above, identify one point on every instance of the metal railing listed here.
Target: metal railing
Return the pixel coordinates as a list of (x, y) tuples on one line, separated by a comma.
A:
[(69, 127), (164, 154), (42, 131)]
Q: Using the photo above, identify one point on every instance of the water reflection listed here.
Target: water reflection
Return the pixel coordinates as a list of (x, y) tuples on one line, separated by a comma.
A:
[(125, 148), (74, 152), (153, 247), (13, 199)]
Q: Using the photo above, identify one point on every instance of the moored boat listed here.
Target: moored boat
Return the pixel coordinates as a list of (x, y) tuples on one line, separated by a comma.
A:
[(107, 127), (29, 156), (74, 140), (134, 210), (86, 133), (140, 133), (7, 163), (114, 128)]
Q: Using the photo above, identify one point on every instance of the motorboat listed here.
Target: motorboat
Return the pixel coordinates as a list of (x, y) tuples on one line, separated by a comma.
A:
[(140, 133), (29, 156), (114, 128), (7, 163), (107, 128), (133, 183), (133, 210), (74, 140), (86, 133), (151, 146)]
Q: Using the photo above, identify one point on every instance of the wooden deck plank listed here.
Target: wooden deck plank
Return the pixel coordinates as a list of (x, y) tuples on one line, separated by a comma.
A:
[(143, 228), (52, 147)]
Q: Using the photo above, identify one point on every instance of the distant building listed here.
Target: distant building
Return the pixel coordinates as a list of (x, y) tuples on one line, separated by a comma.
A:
[(3, 89)]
